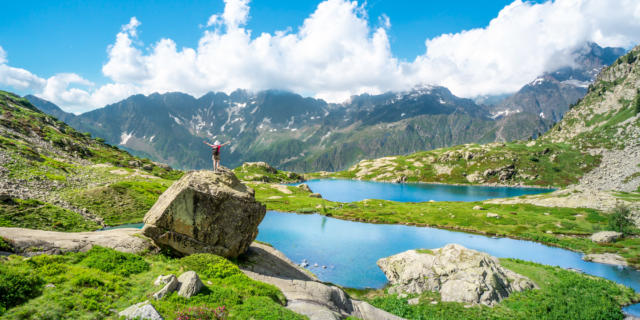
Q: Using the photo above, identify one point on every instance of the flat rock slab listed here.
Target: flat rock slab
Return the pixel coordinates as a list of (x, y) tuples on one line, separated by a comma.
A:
[(34, 242), (305, 294)]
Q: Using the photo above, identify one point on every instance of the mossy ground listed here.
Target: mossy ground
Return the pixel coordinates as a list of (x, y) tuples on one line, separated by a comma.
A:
[(36, 214), (562, 295), (96, 284), (569, 228)]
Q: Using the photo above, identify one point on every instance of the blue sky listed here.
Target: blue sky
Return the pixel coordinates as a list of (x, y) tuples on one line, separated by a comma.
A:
[(84, 54), (49, 37)]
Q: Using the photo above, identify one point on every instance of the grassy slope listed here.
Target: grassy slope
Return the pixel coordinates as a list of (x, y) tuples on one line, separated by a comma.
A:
[(562, 295), (93, 285), (569, 227), (539, 164), (75, 168)]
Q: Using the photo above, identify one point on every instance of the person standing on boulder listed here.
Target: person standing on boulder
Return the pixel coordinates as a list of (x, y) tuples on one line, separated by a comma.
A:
[(215, 152)]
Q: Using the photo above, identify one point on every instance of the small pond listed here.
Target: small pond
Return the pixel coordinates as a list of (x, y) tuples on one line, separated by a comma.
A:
[(354, 190)]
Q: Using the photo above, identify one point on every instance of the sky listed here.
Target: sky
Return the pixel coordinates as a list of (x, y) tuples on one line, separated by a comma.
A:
[(83, 55)]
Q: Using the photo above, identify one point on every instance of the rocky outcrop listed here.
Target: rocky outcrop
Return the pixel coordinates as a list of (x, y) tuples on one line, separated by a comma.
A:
[(171, 285), (458, 273), (305, 294), (605, 236), (607, 258), (304, 187), (141, 311), (33, 242), (205, 212)]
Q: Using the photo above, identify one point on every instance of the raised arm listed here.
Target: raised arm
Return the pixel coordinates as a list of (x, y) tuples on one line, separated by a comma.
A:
[(210, 145), (226, 143)]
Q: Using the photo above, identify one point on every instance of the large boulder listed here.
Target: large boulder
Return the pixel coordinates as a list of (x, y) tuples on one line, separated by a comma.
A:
[(205, 212), (605, 236), (458, 273)]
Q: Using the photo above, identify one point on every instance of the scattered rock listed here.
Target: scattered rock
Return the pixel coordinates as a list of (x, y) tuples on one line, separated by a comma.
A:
[(315, 195), (478, 208), (205, 212), (475, 177), (492, 215), (304, 187), (458, 273), (549, 232), (147, 167), (547, 213), (413, 301), (260, 164), (274, 198), (50, 285), (190, 284), (160, 280), (605, 236), (171, 285), (141, 311), (163, 166), (608, 258)]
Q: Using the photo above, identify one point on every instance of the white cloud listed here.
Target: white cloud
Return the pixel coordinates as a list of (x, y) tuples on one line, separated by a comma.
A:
[(3, 56), (336, 53)]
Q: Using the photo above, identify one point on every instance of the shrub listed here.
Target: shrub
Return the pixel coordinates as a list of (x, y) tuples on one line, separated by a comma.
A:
[(202, 313), (115, 262), (17, 286), (620, 220), (210, 265)]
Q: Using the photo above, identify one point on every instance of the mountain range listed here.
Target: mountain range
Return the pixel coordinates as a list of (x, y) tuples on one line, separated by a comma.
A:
[(306, 134)]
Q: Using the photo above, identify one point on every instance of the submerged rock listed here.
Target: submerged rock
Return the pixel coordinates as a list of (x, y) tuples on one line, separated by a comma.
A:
[(458, 273), (608, 258), (205, 212), (304, 293), (605, 236)]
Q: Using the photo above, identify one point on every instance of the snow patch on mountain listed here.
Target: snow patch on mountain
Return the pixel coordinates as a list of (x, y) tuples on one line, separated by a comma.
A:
[(125, 136)]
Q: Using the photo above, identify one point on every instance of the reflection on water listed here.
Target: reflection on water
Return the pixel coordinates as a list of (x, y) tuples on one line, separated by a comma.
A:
[(354, 190), (350, 249)]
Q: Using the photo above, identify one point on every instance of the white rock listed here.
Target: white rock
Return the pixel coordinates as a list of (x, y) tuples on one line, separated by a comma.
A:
[(190, 284), (172, 285), (141, 311), (413, 301), (492, 215), (605, 236), (458, 273)]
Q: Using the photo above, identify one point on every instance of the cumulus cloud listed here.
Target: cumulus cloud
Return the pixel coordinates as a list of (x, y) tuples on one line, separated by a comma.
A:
[(336, 53)]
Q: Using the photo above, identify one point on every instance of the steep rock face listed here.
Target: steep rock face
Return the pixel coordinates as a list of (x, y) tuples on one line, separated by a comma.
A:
[(205, 212), (458, 273)]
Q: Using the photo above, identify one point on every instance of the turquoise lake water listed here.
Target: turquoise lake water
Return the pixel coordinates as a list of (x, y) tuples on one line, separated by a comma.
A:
[(353, 190), (349, 250)]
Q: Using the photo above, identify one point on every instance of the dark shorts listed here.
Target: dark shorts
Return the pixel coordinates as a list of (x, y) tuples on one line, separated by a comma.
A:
[(214, 157)]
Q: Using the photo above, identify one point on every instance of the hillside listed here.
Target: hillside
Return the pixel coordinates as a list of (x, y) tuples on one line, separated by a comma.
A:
[(593, 153), (53, 177)]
